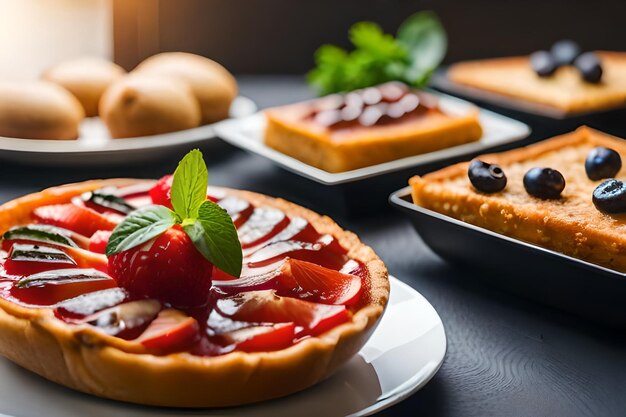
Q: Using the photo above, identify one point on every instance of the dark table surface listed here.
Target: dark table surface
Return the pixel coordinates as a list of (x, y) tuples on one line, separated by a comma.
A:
[(506, 356)]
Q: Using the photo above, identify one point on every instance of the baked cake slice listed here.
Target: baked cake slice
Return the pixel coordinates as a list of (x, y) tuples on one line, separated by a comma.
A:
[(565, 90), (570, 224), (343, 132)]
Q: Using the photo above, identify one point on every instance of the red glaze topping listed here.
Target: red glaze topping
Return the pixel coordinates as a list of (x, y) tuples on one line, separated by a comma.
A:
[(295, 282), (371, 106)]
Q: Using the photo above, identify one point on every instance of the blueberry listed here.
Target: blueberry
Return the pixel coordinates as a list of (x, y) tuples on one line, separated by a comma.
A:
[(610, 196), (488, 178), (543, 63), (602, 163), (545, 183), (590, 67), (565, 52)]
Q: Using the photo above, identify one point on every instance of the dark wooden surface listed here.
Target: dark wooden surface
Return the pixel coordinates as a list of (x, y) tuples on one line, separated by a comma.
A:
[(506, 356)]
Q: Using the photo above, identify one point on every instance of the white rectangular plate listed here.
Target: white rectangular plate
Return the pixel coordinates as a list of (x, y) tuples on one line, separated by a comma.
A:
[(247, 133)]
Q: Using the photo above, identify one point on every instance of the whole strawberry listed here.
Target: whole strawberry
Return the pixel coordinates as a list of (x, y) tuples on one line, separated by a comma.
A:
[(157, 252), (168, 268)]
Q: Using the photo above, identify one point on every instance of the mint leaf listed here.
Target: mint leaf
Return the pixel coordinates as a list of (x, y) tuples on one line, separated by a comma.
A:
[(424, 37), (411, 57), (139, 227), (189, 185), (330, 72), (214, 235), (369, 37)]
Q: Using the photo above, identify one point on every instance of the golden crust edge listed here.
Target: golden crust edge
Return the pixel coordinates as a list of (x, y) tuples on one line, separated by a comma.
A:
[(37, 341)]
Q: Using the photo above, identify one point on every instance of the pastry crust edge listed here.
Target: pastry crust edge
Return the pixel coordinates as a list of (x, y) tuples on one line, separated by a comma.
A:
[(81, 359)]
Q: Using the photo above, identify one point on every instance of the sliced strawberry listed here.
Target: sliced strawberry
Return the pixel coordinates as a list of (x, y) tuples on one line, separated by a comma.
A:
[(263, 338), (89, 303), (98, 241), (301, 279), (43, 234), (171, 331), (312, 282), (263, 224), (70, 216), (127, 320), (161, 193), (326, 251), (268, 307), (168, 268), (51, 287), (27, 259)]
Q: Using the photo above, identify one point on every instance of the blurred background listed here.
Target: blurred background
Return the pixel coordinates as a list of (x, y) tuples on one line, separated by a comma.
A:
[(229, 30)]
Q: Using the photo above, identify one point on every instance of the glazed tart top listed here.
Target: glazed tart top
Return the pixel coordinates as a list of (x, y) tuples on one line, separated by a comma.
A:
[(296, 282)]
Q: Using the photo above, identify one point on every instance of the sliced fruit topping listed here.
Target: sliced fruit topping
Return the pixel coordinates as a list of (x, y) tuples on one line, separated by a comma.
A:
[(326, 251), (90, 303), (61, 276), (169, 268), (126, 320), (161, 193), (50, 287), (249, 337), (263, 224), (169, 255), (301, 279), (263, 338), (312, 282), (268, 307), (39, 233), (103, 201), (298, 229), (98, 241), (81, 220), (26, 259), (171, 331)]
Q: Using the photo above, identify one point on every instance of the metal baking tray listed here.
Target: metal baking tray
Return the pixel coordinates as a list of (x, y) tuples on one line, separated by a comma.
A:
[(551, 278)]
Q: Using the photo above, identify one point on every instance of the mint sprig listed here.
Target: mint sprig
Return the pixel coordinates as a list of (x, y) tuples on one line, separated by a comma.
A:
[(209, 226), (410, 57), (189, 185)]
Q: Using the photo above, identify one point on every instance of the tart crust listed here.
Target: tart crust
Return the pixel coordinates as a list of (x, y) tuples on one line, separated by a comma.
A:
[(570, 225), (86, 360), (565, 90)]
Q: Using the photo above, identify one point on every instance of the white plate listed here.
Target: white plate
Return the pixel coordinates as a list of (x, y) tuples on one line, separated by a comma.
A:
[(95, 146), (404, 352), (247, 133)]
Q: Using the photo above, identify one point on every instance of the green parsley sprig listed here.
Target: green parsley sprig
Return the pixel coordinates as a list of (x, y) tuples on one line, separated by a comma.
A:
[(208, 225), (411, 57)]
